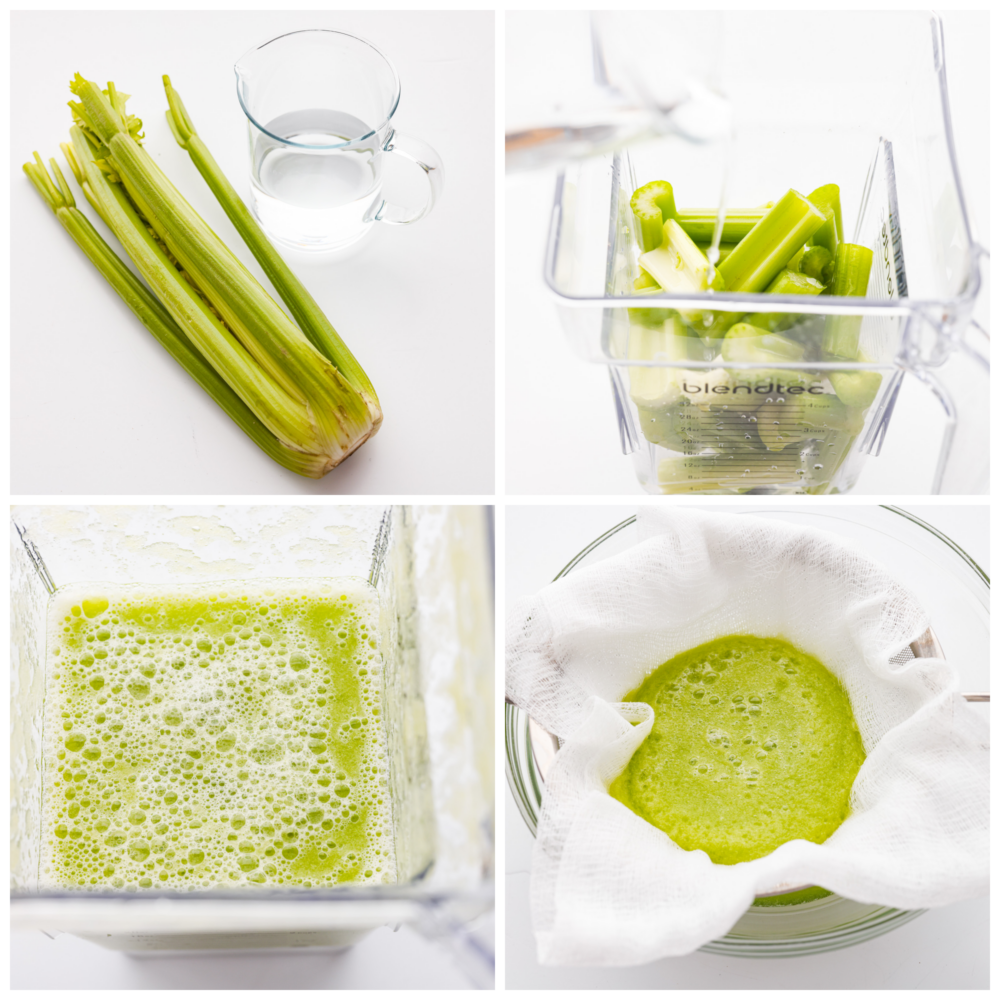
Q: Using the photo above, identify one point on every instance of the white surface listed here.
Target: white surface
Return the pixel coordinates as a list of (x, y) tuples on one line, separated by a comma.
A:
[(946, 948), (561, 430), (97, 405), (381, 961)]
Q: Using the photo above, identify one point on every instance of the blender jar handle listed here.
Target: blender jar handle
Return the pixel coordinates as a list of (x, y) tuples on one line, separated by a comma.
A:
[(420, 153)]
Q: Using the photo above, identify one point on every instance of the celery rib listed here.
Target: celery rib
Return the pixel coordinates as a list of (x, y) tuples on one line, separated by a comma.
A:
[(652, 205), (842, 334), (158, 321), (294, 386), (699, 223), (769, 246), (294, 294)]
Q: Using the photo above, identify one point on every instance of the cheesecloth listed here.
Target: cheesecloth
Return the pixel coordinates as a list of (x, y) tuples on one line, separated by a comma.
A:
[(610, 889)]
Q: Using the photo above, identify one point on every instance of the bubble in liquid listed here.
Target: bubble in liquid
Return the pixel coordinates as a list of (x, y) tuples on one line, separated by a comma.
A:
[(138, 687), (138, 850), (94, 606)]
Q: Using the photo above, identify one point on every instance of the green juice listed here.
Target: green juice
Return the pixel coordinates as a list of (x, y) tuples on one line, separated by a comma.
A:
[(753, 744), (215, 736)]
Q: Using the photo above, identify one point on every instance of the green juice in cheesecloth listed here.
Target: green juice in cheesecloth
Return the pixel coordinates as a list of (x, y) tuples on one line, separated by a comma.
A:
[(753, 744)]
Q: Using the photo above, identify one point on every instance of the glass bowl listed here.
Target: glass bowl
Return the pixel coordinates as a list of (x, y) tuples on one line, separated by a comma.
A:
[(946, 581)]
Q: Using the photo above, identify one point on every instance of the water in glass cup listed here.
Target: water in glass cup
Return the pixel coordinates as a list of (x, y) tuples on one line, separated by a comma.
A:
[(314, 194)]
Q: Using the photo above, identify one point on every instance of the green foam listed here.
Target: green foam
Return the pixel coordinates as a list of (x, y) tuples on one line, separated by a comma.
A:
[(217, 735), (753, 744)]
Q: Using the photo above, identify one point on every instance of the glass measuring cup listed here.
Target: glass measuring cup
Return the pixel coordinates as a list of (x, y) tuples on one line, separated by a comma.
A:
[(319, 107)]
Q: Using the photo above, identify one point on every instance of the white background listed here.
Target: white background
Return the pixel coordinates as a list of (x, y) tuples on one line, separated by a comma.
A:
[(98, 407), (942, 949), (384, 960), (561, 430)]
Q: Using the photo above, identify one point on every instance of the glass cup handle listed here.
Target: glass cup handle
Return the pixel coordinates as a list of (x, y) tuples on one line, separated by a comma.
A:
[(417, 151)]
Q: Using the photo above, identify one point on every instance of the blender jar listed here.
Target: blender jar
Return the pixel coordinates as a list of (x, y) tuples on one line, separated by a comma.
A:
[(432, 570), (793, 416)]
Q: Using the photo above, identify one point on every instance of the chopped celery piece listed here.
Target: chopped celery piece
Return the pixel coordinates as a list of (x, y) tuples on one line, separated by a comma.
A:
[(677, 265), (657, 386), (856, 388), (796, 260), (787, 283), (699, 223), (713, 326), (831, 233), (655, 390), (754, 345), (652, 205), (655, 425), (842, 335), (853, 267), (649, 317), (646, 284), (725, 249), (817, 262), (690, 429), (792, 419), (726, 473), (768, 247)]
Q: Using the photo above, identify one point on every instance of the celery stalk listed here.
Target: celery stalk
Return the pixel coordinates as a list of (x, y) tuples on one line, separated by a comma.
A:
[(753, 345), (276, 370), (817, 262), (294, 294), (831, 233), (651, 205), (677, 265), (699, 223), (853, 268), (768, 247), (842, 334), (856, 388), (653, 386), (645, 281), (787, 283), (725, 473), (725, 249), (283, 415), (159, 322)]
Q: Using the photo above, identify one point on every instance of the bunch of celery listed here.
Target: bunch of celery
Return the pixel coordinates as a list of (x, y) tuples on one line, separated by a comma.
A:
[(741, 429), (296, 391)]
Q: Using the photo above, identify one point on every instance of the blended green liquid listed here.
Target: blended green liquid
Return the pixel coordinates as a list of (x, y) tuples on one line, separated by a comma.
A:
[(209, 736), (753, 744)]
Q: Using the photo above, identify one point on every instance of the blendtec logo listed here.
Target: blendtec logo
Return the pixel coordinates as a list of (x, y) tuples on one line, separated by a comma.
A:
[(792, 390)]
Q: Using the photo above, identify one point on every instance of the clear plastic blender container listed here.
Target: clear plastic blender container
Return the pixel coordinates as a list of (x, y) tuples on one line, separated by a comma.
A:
[(859, 100), (432, 570)]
